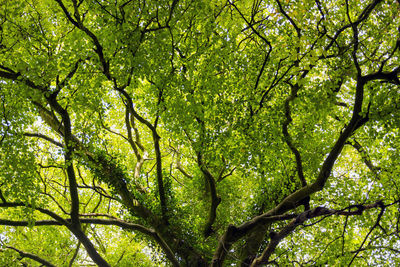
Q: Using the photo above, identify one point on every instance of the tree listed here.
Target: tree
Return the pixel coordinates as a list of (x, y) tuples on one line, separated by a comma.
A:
[(199, 133)]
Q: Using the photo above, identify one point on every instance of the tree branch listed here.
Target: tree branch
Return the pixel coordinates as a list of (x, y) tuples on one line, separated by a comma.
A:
[(287, 137), (363, 16), (45, 137), (234, 233), (301, 218), (156, 140), (354, 143), (68, 140), (298, 30), (215, 199), (98, 221), (370, 231), (77, 22), (31, 256)]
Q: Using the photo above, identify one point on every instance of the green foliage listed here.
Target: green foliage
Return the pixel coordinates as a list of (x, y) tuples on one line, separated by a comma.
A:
[(106, 169), (163, 116)]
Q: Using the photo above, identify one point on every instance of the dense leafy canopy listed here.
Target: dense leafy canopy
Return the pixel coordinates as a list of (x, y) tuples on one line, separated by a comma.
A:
[(199, 132)]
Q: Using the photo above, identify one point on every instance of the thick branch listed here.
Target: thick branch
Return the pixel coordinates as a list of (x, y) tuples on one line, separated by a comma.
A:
[(234, 233), (68, 140), (156, 140), (392, 76), (160, 182), (287, 137), (299, 220), (355, 122), (215, 199)]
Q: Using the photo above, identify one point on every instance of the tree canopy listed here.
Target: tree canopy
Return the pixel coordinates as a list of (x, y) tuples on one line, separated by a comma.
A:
[(199, 132)]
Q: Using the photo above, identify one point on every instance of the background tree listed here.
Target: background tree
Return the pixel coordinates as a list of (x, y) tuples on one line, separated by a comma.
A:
[(195, 133)]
